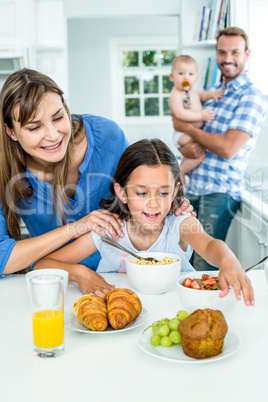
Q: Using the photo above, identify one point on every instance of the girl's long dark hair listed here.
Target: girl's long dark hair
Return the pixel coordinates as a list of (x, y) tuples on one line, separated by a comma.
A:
[(145, 152)]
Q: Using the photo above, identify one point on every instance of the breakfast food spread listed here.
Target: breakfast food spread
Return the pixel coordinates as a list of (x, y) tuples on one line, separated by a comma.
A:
[(203, 333), (119, 307), (164, 261), (207, 282)]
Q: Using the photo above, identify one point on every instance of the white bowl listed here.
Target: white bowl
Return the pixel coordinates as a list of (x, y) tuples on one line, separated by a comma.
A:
[(48, 271), (194, 299), (153, 279)]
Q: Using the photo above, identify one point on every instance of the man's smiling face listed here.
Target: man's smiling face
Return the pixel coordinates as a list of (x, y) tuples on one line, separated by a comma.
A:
[(231, 56)]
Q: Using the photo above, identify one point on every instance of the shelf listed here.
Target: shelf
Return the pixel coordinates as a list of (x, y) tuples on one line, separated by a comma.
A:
[(203, 43)]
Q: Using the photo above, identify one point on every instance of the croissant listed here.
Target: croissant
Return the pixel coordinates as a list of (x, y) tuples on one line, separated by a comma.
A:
[(91, 311), (123, 306)]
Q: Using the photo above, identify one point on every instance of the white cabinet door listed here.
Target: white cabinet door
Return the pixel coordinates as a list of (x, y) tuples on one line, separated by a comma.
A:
[(247, 236)]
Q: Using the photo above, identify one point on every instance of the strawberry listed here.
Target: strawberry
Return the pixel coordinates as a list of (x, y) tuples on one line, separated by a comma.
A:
[(209, 282), (207, 277), (195, 285), (188, 282)]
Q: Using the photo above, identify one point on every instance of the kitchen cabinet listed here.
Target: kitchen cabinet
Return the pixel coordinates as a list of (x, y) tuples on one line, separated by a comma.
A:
[(51, 44), (248, 233), (39, 27), (17, 22)]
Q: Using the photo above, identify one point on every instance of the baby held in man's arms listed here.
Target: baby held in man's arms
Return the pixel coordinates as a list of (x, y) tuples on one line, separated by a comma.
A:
[(186, 103)]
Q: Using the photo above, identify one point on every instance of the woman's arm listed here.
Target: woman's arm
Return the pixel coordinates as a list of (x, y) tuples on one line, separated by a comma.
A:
[(27, 252), (88, 280), (217, 253), (72, 253), (68, 257)]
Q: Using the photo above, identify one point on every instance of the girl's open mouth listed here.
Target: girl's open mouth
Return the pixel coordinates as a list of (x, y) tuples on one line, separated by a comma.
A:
[(151, 217)]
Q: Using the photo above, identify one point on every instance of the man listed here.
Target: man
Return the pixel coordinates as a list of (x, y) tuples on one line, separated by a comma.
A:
[(215, 186)]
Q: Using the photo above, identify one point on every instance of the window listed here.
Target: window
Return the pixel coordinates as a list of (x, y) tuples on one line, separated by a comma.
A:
[(143, 79)]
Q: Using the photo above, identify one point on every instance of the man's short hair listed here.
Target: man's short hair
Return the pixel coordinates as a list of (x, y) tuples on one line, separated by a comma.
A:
[(234, 31)]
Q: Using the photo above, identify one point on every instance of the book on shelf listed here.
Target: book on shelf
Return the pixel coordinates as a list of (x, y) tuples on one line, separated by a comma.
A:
[(216, 8), (201, 24), (206, 74), (213, 18), (223, 16), (213, 73), (205, 23)]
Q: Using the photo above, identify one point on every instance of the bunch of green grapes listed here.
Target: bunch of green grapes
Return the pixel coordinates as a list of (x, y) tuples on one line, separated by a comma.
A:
[(165, 331)]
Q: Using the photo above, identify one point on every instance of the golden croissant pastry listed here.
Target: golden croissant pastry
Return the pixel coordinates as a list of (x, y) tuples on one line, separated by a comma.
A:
[(91, 311), (123, 306)]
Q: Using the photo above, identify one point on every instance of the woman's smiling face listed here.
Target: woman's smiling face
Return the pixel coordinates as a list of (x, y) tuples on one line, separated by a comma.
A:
[(149, 195), (46, 135)]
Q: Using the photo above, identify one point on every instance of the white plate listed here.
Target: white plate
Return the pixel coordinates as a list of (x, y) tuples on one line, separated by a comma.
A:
[(71, 322), (175, 353)]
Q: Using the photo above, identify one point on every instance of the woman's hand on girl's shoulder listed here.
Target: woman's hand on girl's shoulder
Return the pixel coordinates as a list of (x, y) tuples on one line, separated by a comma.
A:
[(185, 208), (97, 221)]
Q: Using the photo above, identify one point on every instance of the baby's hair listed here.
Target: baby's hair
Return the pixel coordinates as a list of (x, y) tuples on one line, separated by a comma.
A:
[(145, 152), (183, 58)]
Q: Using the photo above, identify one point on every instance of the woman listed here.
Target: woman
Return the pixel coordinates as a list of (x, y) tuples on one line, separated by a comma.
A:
[(54, 169)]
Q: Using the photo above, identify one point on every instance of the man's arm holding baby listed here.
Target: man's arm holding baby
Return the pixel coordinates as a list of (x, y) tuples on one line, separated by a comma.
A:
[(226, 145)]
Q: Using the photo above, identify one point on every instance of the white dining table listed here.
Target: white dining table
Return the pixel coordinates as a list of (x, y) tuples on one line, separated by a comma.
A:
[(113, 368)]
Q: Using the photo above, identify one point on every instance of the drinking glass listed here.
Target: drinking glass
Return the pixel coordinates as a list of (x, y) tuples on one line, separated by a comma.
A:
[(47, 307)]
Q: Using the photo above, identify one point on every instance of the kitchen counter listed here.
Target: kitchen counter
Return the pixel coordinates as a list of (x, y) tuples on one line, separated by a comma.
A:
[(112, 367)]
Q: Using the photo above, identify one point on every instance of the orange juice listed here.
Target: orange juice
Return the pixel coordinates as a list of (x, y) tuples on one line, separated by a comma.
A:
[(48, 328)]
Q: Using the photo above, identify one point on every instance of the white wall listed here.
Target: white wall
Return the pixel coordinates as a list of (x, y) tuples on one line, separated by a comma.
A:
[(103, 8), (89, 64)]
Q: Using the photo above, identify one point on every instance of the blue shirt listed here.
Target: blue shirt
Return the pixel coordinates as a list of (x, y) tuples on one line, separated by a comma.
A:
[(113, 260), (106, 143), (242, 107)]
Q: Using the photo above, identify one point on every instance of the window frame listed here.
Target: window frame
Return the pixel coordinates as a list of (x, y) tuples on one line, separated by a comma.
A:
[(117, 46)]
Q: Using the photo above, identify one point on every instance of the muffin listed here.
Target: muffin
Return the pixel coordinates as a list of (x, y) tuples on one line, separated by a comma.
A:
[(203, 333)]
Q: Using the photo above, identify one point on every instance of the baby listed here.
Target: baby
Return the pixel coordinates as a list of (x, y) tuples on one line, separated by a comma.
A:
[(186, 103)]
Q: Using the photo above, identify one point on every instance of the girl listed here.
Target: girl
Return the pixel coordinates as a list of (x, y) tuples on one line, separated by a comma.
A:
[(145, 189)]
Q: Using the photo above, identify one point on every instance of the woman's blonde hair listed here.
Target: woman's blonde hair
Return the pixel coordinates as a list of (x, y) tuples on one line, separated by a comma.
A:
[(26, 88)]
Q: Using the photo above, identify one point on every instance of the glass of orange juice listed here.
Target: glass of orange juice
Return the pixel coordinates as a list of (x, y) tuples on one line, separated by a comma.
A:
[(47, 305)]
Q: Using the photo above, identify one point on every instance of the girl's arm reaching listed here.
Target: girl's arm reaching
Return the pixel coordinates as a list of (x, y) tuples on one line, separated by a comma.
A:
[(68, 257), (217, 253)]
